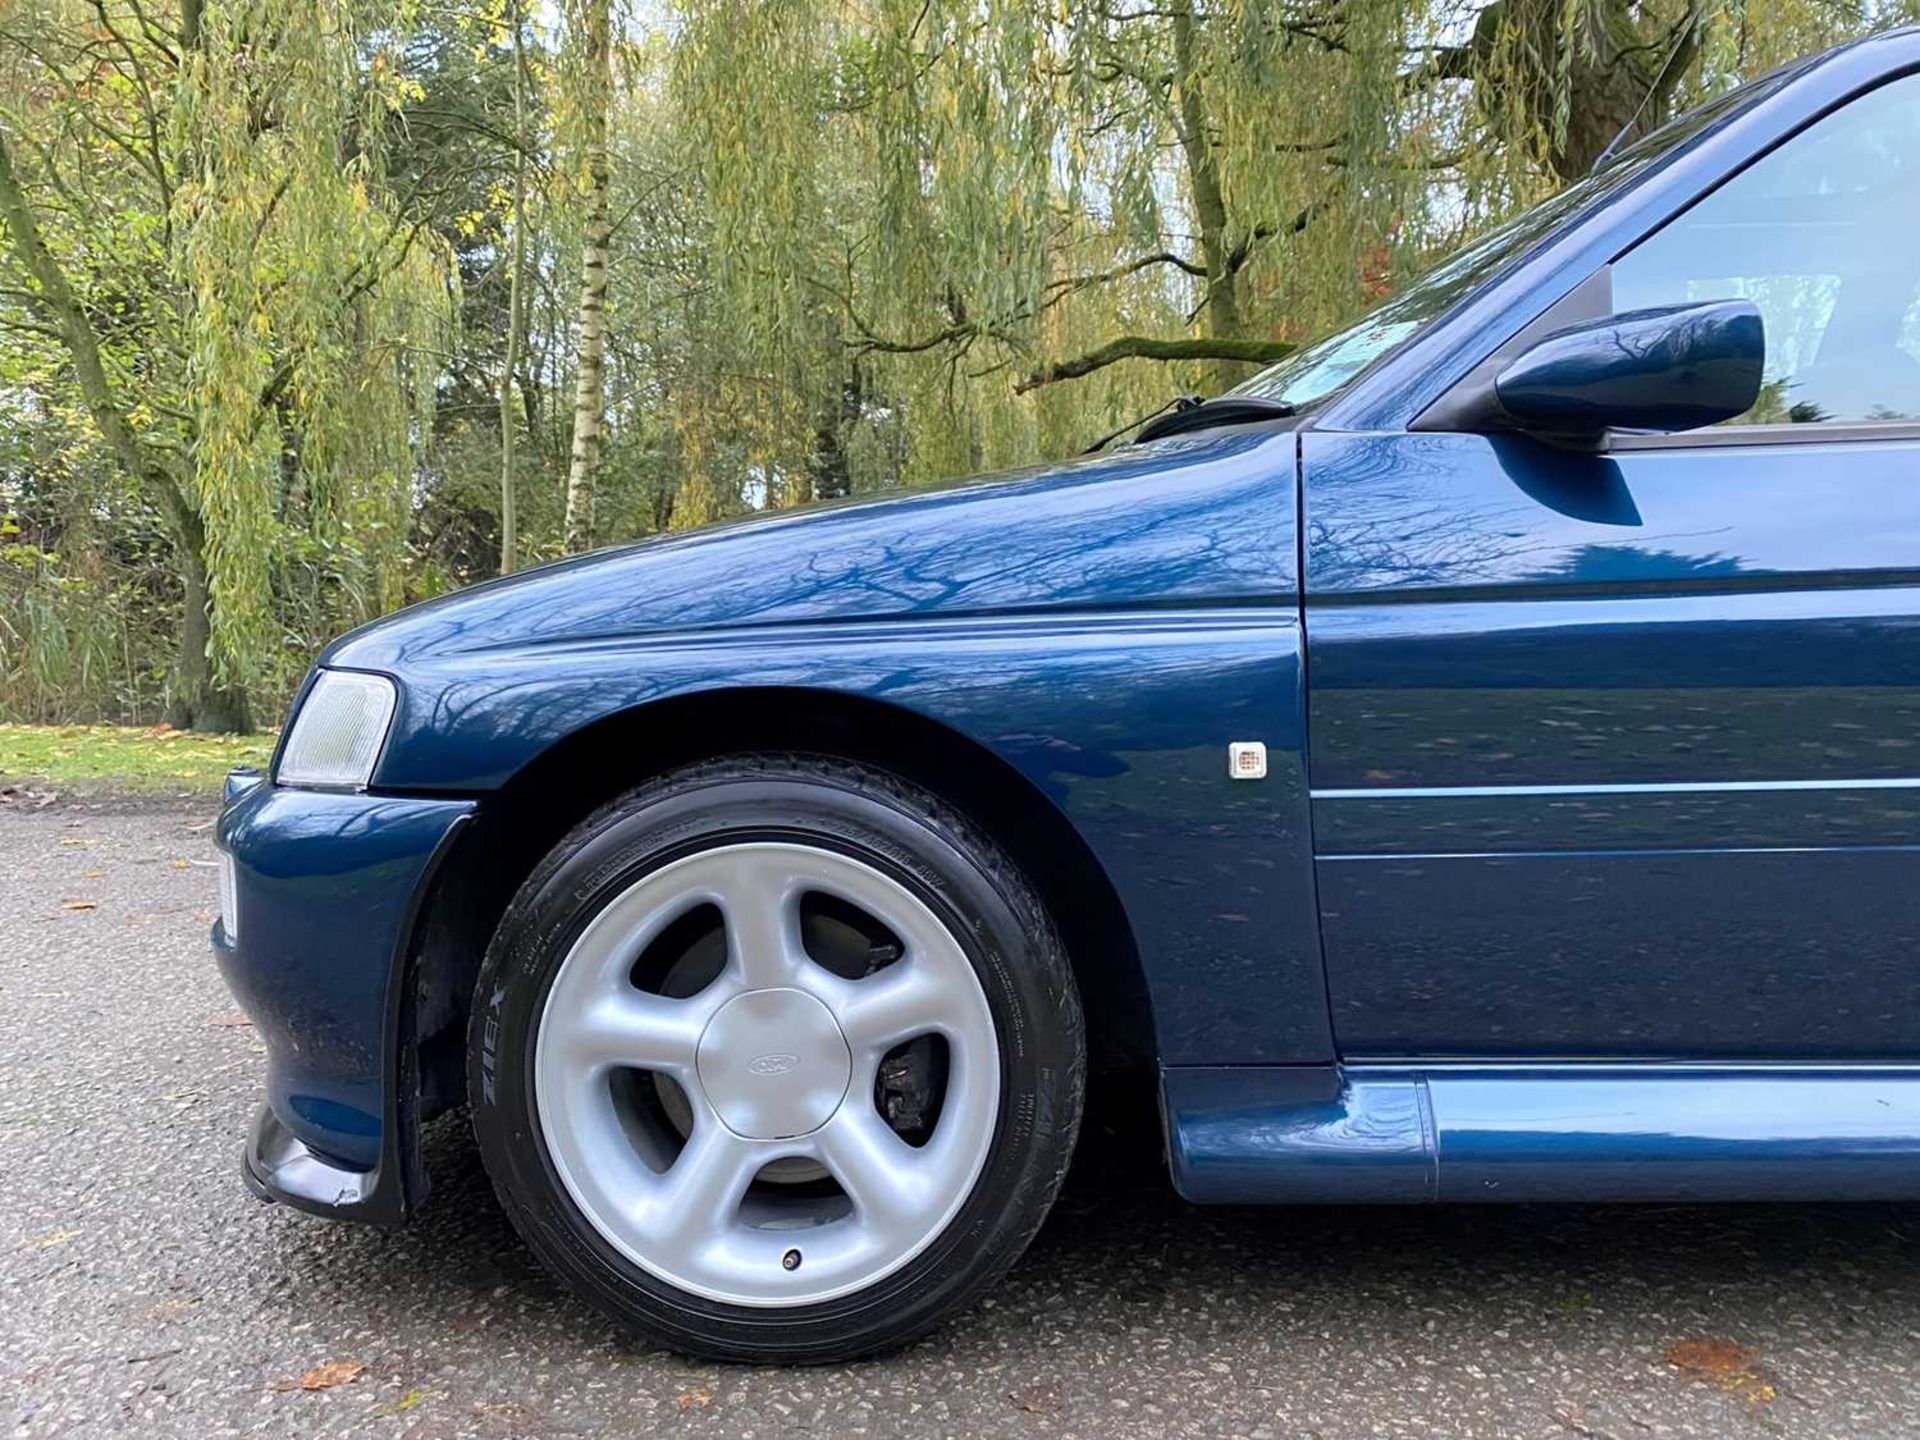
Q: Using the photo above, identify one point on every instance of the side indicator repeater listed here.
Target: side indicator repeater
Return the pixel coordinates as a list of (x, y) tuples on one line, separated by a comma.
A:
[(1247, 760)]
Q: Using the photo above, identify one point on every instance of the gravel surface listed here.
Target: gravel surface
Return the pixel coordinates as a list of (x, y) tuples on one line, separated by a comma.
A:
[(144, 1293)]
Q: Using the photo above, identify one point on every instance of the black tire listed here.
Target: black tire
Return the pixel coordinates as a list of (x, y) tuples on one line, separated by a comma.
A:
[(948, 864)]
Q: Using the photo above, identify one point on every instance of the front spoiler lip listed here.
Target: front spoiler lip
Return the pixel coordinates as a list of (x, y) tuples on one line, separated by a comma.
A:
[(279, 1167)]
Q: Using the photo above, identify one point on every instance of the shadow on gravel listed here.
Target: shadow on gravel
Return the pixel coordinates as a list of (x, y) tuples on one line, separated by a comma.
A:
[(1121, 1252)]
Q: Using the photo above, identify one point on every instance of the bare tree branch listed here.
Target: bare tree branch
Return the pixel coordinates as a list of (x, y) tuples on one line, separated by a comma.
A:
[(1145, 347)]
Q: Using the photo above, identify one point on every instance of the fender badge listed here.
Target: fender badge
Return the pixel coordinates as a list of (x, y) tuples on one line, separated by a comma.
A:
[(1247, 759)]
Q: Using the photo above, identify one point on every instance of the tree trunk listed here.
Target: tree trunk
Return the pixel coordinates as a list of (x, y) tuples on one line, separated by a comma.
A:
[(589, 401), (509, 503), (1222, 306), (829, 471), (199, 702), (1616, 84)]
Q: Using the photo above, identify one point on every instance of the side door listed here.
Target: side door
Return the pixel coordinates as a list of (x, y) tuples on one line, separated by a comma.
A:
[(1618, 755)]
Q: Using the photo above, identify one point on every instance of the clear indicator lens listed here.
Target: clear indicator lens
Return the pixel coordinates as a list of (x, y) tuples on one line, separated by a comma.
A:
[(229, 899), (337, 735)]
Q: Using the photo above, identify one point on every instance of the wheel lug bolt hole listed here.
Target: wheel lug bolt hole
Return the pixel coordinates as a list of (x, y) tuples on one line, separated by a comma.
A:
[(790, 1260)]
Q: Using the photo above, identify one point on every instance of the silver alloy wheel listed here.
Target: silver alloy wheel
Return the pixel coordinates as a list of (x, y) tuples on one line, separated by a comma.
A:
[(778, 1058)]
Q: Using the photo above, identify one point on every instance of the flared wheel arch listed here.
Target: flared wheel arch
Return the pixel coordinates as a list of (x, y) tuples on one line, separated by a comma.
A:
[(517, 825)]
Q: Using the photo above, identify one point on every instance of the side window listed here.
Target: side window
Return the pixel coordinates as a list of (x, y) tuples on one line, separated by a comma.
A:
[(1823, 234)]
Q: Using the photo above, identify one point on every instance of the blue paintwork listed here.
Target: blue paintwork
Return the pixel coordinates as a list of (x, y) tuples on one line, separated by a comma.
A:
[(1120, 721), (1194, 520), (1615, 758), (1515, 652), (1102, 626), (1296, 1134), (326, 887), (1670, 368), (1542, 1132)]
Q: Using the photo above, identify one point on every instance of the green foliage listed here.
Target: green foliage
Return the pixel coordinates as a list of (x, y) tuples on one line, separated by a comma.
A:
[(87, 591), (855, 246), (306, 313), (266, 315)]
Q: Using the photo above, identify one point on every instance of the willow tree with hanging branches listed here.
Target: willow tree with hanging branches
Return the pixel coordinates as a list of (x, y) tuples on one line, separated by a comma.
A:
[(198, 239), (293, 293), (1024, 221)]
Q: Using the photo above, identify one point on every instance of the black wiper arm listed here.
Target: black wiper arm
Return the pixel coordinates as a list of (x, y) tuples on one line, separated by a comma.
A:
[(1177, 403), (1206, 414), (1190, 412)]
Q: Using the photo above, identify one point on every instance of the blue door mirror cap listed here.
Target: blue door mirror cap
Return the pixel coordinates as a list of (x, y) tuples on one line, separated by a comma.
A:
[(1675, 367)]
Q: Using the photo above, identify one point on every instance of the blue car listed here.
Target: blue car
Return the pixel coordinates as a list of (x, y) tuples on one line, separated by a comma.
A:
[(1477, 759)]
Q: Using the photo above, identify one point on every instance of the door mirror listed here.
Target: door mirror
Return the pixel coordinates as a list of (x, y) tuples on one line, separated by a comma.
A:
[(1674, 368)]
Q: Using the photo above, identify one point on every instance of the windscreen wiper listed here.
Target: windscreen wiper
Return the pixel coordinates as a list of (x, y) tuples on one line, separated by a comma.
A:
[(1190, 412)]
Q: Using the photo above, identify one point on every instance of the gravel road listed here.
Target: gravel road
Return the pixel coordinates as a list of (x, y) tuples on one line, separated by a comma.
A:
[(144, 1293)]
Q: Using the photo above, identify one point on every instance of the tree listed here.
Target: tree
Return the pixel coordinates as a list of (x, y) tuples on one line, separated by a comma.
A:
[(593, 24), (1564, 85), (516, 298), (304, 306), (994, 198), (153, 466), (1030, 222), (194, 221)]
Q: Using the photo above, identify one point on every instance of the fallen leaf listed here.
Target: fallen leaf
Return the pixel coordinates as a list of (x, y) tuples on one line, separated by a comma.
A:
[(79, 904), (1710, 1357), (405, 1403), (234, 1020), (325, 1377), (74, 842), (1039, 1399), (53, 1238), (1734, 1367), (91, 874), (182, 864), (697, 1399)]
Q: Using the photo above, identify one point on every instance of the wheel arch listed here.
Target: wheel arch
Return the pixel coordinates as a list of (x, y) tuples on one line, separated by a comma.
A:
[(522, 820)]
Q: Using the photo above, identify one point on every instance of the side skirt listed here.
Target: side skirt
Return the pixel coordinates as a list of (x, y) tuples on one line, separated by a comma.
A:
[(1254, 1135)]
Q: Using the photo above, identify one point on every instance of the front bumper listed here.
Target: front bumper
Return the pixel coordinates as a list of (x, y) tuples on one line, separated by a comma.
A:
[(328, 890)]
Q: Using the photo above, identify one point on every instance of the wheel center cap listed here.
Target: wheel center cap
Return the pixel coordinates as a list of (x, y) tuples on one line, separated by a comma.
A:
[(774, 1064)]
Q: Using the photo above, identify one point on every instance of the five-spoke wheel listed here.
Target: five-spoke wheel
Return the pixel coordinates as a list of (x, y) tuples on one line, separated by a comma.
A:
[(770, 1055), (775, 1058)]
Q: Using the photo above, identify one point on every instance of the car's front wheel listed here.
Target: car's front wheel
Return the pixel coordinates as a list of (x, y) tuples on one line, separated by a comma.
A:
[(777, 1058)]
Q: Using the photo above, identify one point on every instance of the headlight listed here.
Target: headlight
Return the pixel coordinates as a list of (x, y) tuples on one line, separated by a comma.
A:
[(337, 735)]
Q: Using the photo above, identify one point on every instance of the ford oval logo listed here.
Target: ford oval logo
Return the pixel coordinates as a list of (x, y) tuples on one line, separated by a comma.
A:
[(772, 1064)]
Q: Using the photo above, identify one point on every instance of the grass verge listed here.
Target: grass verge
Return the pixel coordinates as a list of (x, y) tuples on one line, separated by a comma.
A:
[(124, 757)]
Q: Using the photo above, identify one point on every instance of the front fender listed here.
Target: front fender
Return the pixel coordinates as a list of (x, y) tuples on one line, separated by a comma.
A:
[(1121, 720), (1105, 627)]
